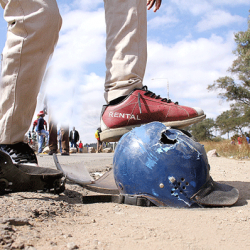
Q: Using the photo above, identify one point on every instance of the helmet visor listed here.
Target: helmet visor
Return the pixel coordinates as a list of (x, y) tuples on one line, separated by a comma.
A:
[(216, 194)]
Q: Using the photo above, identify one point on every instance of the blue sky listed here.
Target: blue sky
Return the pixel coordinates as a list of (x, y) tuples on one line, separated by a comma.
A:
[(190, 45)]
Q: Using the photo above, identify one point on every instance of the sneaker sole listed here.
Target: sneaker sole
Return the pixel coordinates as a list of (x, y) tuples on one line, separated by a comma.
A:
[(28, 178), (114, 135)]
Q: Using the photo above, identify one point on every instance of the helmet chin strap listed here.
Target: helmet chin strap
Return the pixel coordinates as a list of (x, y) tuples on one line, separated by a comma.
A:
[(127, 199), (135, 200)]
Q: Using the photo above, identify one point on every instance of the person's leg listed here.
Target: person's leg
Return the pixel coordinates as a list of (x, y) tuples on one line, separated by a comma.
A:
[(126, 44), (46, 137), (52, 136), (40, 143), (130, 104), (60, 145), (33, 28), (65, 140), (97, 146), (101, 147)]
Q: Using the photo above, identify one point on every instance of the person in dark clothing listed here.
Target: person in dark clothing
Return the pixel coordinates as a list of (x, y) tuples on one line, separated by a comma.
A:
[(74, 137)]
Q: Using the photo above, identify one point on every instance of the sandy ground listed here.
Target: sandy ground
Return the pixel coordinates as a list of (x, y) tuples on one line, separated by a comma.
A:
[(45, 221)]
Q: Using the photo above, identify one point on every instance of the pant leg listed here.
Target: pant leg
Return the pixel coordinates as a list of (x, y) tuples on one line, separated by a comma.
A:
[(52, 135), (45, 134), (60, 145), (33, 28), (126, 45), (40, 143), (65, 139)]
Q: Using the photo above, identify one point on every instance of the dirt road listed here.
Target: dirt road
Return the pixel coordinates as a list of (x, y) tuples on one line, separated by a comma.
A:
[(44, 221)]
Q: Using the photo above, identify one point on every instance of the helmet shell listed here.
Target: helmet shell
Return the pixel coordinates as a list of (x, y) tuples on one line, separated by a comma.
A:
[(163, 164)]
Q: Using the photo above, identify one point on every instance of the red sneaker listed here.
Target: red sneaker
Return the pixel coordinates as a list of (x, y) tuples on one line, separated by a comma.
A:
[(142, 106)]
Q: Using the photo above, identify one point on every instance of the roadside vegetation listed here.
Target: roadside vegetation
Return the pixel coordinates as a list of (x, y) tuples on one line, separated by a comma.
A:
[(226, 149), (233, 123)]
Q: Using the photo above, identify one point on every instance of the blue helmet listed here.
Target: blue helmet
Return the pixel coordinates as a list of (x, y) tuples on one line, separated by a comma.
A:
[(167, 167)]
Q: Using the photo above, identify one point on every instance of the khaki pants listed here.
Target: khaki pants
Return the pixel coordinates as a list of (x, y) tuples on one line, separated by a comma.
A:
[(33, 28)]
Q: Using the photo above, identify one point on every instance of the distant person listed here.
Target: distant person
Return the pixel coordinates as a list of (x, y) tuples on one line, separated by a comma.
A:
[(247, 138), (30, 138), (99, 142), (240, 140), (80, 147), (34, 128), (74, 137), (42, 131), (233, 142)]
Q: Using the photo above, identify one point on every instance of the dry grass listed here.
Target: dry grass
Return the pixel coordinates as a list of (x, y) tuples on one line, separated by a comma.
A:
[(226, 149)]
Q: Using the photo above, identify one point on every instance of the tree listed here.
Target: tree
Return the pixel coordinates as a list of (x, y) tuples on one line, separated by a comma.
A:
[(224, 123), (239, 90), (202, 131), (234, 119)]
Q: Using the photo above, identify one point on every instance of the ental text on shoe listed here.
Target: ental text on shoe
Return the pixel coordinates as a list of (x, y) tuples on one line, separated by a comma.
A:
[(123, 115)]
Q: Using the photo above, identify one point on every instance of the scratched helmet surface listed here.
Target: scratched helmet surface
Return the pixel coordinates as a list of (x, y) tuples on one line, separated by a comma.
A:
[(167, 167)]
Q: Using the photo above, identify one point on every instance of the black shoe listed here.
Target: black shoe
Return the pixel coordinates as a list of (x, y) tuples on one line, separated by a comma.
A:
[(51, 152), (18, 173), (19, 153), (64, 153)]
